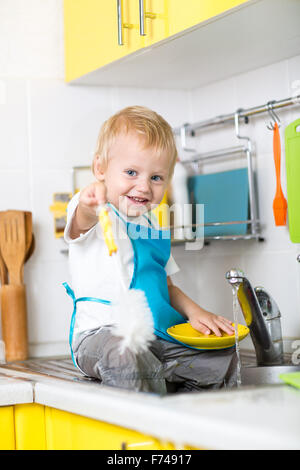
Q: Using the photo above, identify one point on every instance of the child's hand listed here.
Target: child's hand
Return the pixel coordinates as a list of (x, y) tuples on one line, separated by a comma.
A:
[(91, 197), (85, 216), (208, 323)]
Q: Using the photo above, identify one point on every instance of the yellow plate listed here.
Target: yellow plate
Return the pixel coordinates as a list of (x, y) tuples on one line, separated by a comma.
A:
[(185, 333)]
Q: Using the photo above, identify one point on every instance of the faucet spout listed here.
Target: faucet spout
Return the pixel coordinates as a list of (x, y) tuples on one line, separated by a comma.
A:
[(268, 348)]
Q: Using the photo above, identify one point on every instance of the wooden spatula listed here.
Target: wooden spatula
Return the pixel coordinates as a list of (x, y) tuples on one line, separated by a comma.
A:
[(13, 243)]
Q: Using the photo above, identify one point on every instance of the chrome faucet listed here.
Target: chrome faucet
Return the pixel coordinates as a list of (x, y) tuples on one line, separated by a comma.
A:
[(262, 317)]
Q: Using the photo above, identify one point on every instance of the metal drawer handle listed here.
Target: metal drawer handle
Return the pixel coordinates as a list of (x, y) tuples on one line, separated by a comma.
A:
[(120, 31), (143, 15), (142, 18), (121, 25)]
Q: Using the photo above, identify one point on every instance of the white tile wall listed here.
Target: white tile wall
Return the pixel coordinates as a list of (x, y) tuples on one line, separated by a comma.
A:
[(31, 38), (48, 126)]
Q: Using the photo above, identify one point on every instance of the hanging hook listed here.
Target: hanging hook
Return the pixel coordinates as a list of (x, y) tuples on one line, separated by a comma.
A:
[(183, 138), (273, 115), (237, 116)]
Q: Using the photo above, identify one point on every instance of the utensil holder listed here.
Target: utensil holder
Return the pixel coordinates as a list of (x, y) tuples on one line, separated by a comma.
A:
[(14, 322)]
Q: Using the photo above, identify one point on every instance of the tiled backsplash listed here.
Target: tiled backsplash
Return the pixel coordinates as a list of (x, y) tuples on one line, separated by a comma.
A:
[(47, 127)]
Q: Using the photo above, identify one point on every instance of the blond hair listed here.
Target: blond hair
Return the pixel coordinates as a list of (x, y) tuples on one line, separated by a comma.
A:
[(154, 128)]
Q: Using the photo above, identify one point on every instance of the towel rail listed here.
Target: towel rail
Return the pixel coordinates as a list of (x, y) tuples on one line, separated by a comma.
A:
[(244, 114)]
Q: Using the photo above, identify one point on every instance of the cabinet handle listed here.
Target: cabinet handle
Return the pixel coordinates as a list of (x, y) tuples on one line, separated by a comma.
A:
[(142, 18), (144, 15), (119, 13)]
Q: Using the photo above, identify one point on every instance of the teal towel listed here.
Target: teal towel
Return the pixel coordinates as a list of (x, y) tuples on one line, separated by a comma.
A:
[(225, 197)]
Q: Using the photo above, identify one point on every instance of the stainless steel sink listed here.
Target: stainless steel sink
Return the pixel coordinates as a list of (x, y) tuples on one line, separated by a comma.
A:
[(251, 374), (62, 368)]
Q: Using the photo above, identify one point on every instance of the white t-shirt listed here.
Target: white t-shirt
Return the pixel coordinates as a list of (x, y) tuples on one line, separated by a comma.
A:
[(93, 271)]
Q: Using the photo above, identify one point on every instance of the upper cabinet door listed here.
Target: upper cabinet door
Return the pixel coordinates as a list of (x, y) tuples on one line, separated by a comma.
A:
[(164, 18), (91, 34)]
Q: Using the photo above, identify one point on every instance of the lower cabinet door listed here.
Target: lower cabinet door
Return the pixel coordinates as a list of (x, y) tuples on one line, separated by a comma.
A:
[(7, 428), (30, 427), (73, 432)]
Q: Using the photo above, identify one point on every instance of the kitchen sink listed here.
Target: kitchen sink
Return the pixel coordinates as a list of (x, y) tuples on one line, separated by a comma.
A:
[(252, 374), (62, 368)]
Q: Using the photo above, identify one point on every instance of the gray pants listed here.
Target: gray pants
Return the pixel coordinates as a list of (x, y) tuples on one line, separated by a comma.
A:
[(165, 367)]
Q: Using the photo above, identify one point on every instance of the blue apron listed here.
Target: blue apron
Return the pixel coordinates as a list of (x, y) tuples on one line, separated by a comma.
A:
[(151, 248)]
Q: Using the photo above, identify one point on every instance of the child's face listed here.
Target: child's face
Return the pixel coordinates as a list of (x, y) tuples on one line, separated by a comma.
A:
[(135, 177)]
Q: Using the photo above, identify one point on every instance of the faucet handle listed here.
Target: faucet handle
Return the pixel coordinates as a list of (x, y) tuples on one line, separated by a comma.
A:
[(271, 315), (269, 307)]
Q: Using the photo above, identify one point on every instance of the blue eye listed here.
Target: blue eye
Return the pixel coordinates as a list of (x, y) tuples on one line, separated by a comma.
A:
[(157, 178), (131, 172)]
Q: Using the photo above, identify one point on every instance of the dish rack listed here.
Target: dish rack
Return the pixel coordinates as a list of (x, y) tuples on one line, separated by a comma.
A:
[(253, 223)]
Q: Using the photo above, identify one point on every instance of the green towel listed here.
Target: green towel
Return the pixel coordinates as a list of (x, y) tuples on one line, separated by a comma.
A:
[(291, 378)]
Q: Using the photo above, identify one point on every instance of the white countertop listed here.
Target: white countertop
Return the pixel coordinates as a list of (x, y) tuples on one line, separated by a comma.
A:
[(15, 391), (265, 417)]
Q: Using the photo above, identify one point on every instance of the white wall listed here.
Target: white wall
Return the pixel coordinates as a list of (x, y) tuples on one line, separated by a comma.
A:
[(47, 127)]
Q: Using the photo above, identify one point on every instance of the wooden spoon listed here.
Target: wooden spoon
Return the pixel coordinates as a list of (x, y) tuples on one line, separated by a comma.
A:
[(3, 271), (31, 249), (28, 230), (13, 243), (29, 240)]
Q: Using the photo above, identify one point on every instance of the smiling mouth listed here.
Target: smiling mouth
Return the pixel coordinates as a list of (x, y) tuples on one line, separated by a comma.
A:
[(138, 200)]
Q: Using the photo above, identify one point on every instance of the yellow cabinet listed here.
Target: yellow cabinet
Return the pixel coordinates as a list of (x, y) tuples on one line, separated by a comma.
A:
[(91, 27), (7, 428), (91, 34), (30, 427), (73, 432)]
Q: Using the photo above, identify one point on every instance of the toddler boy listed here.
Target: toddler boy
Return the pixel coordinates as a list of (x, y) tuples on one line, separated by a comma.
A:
[(133, 165)]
